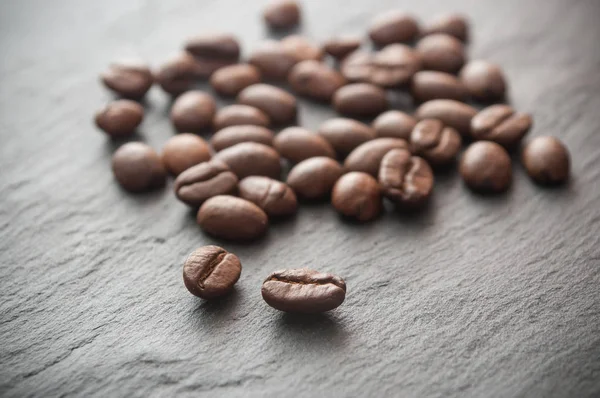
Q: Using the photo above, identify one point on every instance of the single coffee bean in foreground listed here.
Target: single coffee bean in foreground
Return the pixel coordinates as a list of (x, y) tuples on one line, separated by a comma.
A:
[(429, 85), (214, 46), (128, 78), (184, 151), (211, 271), (546, 160), (340, 46), (303, 291), (486, 167), (314, 178), (441, 52), (315, 79), (282, 14), (484, 81), (394, 124), (230, 80), (203, 181), (238, 114), (297, 144), (501, 124), (275, 197), (367, 157), (233, 135), (360, 100), (405, 179), (437, 143), (455, 25), (345, 134), (393, 27), (178, 74), (231, 218), (301, 48), (120, 118), (452, 113), (193, 111), (272, 60), (251, 158), (357, 195), (137, 167), (278, 104)]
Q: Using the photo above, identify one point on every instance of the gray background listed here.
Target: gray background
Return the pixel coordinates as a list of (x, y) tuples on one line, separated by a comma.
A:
[(478, 296)]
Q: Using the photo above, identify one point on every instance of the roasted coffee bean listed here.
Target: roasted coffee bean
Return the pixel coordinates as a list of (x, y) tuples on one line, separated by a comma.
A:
[(367, 157), (452, 113), (394, 124), (339, 47), (435, 142), (230, 80), (282, 14), (314, 178), (193, 111), (303, 291), (120, 118), (484, 81), (274, 197), (231, 218), (128, 78), (501, 124), (345, 134), (486, 167), (297, 144), (211, 271), (406, 180), (233, 135), (357, 195), (441, 52), (217, 46), (181, 72), (393, 27), (428, 85), (184, 151), (360, 99), (455, 25), (546, 160), (137, 167), (392, 66), (315, 80), (205, 180), (278, 104), (272, 60), (251, 158), (238, 114), (302, 49)]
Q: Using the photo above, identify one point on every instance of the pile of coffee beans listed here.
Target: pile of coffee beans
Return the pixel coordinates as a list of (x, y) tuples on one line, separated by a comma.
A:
[(368, 154)]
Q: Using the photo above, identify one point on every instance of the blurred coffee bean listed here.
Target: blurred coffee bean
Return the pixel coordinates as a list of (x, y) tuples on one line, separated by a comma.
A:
[(278, 104), (314, 178), (181, 72), (301, 48), (193, 111), (233, 135), (437, 143), (441, 52), (275, 197), (406, 180), (315, 79), (345, 134), (455, 25), (120, 118), (393, 27), (183, 151), (230, 80), (395, 124), (251, 158), (501, 124), (357, 195), (214, 46), (231, 218), (137, 167), (452, 113), (272, 60), (128, 78), (486, 167), (429, 85), (367, 157), (282, 14), (484, 81), (546, 160), (203, 181), (238, 114), (360, 99), (297, 144), (340, 46)]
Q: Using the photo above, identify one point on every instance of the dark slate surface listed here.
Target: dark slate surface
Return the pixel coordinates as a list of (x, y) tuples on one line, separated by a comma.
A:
[(495, 296)]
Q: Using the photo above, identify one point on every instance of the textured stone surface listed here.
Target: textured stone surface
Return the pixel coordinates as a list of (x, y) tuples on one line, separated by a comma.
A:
[(478, 296)]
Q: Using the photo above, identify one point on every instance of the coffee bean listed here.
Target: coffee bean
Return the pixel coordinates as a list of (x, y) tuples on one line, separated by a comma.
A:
[(315, 80), (314, 178), (357, 195), (214, 46), (303, 291), (428, 85), (302, 49), (233, 135), (272, 60), (238, 114), (435, 142), (231, 218), (360, 99), (393, 27), (454, 25), (137, 167), (486, 167), (181, 72), (282, 14), (297, 144), (230, 80), (441, 52), (501, 124), (339, 47), (367, 157), (193, 111), (211, 272), (546, 160), (452, 113), (345, 134), (406, 180), (394, 124), (128, 78), (120, 118), (274, 197), (392, 66), (251, 158), (278, 104), (484, 81), (205, 180), (184, 151)]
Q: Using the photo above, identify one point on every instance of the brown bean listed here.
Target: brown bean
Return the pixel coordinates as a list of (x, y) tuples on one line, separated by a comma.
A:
[(233, 135), (238, 114), (275, 197), (435, 142), (428, 85), (345, 134), (297, 144), (211, 272), (193, 111), (205, 180), (230, 80), (120, 118), (315, 80), (360, 99), (302, 49), (339, 47), (367, 157), (314, 178), (406, 180), (251, 158), (218, 46), (441, 52), (501, 124), (484, 81), (394, 124), (451, 24), (282, 14), (278, 104), (137, 167), (231, 218), (357, 195), (452, 113), (184, 151), (393, 27), (272, 60), (128, 78)]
